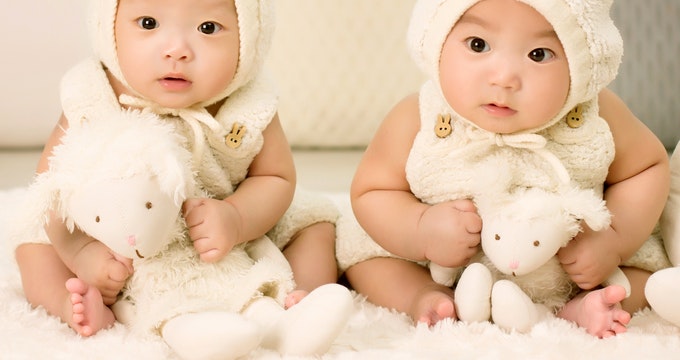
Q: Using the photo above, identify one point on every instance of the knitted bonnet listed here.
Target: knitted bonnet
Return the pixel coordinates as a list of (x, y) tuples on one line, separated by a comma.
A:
[(256, 27), (591, 41)]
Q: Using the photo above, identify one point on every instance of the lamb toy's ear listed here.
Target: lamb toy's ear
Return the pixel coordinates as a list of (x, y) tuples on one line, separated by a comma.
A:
[(174, 176), (586, 205)]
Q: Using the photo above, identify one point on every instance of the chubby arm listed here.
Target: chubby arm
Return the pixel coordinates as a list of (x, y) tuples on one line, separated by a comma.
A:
[(87, 258), (446, 233), (636, 189), (216, 226)]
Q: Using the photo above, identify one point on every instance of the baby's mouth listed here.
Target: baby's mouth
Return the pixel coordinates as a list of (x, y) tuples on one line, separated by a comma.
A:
[(175, 83), (175, 80), (499, 109)]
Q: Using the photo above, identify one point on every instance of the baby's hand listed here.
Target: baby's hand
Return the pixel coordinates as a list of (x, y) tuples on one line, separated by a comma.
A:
[(451, 232), (214, 227), (98, 266), (591, 257)]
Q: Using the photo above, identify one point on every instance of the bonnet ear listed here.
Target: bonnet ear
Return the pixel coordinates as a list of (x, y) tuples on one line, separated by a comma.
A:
[(256, 23)]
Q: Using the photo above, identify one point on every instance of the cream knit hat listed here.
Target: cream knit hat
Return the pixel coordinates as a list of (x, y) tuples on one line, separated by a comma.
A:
[(592, 43), (256, 27)]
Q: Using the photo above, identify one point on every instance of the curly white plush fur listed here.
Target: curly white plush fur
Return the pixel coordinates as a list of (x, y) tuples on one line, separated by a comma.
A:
[(122, 179), (523, 229)]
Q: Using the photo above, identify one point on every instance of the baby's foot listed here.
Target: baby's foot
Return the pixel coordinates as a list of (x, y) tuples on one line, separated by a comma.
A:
[(599, 311), (88, 312), (294, 297), (432, 306)]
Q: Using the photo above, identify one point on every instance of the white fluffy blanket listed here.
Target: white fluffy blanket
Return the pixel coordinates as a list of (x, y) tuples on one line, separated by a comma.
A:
[(372, 332)]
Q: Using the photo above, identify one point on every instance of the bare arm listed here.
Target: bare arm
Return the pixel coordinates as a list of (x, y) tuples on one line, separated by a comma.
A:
[(638, 182), (636, 189), (446, 233), (216, 226), (266, 193)]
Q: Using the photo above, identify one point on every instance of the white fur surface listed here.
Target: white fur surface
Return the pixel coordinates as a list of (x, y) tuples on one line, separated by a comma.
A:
[(372, 332)]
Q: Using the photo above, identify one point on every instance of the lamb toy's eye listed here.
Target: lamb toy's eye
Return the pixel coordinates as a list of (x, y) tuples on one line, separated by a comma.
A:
[(497, 237), (97, 219), (149, 205), (537, 243)]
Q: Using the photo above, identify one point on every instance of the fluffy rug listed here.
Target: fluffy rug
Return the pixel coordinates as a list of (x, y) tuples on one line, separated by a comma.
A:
[(372, 332)]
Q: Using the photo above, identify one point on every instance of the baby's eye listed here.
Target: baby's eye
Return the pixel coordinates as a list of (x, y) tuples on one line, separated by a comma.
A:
[(209, 27), (541, 55), (477, 45), (147, 23)]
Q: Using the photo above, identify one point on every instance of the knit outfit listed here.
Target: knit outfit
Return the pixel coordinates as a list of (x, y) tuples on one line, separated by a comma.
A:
[(223, 147), (575, 147)]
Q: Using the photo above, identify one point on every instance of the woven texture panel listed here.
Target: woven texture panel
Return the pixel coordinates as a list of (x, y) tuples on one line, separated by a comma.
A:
[(340, 65), (649, 77)]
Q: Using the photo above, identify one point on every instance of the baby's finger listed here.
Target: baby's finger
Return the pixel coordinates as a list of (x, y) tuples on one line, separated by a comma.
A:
[(464, 205), (189, 205), (118, 272), (566, 256)]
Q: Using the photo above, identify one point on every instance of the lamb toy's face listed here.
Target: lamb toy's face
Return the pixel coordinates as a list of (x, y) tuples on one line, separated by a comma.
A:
[(132, 216), (522, 233), (520, 247)]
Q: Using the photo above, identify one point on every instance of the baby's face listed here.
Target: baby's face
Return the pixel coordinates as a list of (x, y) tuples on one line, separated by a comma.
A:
[(503, 68), (177, 53)]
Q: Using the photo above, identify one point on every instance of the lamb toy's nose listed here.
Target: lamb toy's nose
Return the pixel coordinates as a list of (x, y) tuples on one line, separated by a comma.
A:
[(132, 240), (514, 265)]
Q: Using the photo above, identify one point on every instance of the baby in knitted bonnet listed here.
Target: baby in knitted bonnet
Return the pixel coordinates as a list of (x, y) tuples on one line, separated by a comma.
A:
[(524, 81), (194, 66)]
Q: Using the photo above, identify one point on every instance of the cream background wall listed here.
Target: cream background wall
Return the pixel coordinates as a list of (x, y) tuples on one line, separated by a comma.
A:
[(340, 65), (39, 41)]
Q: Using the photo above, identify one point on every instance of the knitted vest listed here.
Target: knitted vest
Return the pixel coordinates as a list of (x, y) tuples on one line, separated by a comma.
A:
[(441, 168), (231, 146)]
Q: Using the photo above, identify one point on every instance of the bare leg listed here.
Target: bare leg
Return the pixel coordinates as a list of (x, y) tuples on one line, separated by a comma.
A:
[(598, 311), (638, 280), (43, 276), (89, 314), (311, 254), (404, 286)]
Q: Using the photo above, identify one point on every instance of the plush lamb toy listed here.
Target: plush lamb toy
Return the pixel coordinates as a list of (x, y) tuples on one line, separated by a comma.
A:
[(123, 180), (516, 279), (662, 289)]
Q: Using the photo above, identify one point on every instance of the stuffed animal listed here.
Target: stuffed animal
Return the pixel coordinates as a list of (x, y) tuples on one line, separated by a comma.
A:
[(122, 179), (662, 289), (516, 279)]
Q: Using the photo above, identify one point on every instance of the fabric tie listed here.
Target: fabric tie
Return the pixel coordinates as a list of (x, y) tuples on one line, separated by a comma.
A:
[(194, 116), (533, 142)]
